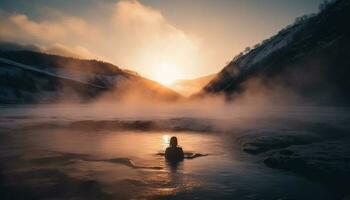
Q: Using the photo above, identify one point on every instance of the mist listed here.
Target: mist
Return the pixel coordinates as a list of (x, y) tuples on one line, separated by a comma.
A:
[(273, 123)]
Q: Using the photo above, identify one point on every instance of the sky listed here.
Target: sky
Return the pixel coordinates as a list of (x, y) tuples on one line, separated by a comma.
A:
[(163, 40)]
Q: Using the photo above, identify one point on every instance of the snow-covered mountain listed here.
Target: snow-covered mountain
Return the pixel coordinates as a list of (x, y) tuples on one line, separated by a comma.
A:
[(31, 77), (309, 57)]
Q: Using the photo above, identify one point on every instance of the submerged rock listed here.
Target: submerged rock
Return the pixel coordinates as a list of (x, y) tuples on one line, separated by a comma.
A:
[(328, 162), (260, 141)]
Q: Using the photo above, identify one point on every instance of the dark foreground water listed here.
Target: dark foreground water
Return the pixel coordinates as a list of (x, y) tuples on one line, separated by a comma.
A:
[(66, 163)]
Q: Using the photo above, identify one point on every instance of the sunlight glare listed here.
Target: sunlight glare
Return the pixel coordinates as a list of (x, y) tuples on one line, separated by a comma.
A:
[(165, 141), (167, 73)]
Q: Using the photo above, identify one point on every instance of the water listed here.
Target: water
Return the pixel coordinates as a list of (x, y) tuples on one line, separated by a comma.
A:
[(94, 164), (224, 174)]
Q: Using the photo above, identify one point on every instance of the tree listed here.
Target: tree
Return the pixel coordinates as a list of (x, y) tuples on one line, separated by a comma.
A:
[(301, 19), (257, 45)]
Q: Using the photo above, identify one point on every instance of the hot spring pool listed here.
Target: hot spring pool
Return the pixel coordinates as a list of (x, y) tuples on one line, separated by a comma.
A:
[(63, 163)]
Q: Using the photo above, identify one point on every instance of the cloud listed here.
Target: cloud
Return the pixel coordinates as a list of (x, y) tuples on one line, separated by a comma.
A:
[(51, 30), (133, 35), (48, 35), (76, 51), (133, 14), (19, 27), (154, 40)]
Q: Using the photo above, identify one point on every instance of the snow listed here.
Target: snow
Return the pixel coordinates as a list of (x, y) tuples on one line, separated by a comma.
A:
[(277, 42), (36, 69)]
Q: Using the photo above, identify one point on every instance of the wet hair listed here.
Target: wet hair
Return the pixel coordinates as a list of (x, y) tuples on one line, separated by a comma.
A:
[(173, 141)]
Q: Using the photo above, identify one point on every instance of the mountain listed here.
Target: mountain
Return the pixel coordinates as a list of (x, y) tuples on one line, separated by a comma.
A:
[(189, 87), (32, 77), (309, 58)]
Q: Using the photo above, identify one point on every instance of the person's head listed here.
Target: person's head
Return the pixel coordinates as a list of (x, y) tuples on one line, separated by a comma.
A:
[(173, 141)]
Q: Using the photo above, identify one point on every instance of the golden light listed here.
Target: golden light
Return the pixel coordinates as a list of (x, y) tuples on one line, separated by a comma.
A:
[(165, 141), (166, 73)]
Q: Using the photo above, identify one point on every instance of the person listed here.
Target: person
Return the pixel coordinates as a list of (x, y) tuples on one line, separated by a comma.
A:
[(174, 153)]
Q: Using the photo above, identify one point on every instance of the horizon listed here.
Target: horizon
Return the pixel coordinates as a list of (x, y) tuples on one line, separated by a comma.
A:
[(124, 31), (155, 99)]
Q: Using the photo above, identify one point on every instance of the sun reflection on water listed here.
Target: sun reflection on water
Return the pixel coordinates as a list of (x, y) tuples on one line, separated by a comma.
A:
[(165, 141), (168, 181)]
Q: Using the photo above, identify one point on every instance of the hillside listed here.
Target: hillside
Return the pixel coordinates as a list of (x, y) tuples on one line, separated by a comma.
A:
[(308, 58), (32, 77)]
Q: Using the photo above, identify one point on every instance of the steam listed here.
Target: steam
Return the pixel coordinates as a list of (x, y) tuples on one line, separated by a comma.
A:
[(258, 91), (256, 100)]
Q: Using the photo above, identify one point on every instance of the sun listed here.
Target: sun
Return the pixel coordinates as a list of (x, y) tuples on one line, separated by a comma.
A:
[(166, 73)]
